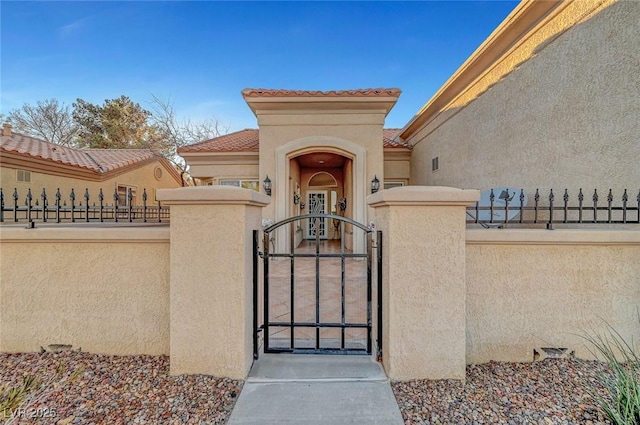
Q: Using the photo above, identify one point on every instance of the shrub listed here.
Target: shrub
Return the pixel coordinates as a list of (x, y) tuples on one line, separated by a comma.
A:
[(623, 384)]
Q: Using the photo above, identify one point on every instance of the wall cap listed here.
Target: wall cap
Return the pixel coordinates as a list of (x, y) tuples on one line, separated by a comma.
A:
[(552, 237), (83, 234), (210, 195), (424, 195)]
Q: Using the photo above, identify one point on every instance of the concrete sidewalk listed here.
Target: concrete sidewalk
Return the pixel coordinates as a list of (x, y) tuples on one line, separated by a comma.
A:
[(316, 389)]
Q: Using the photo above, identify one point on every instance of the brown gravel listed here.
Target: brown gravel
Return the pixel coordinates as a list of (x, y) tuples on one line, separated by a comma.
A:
[(553, 391), (82, 388)]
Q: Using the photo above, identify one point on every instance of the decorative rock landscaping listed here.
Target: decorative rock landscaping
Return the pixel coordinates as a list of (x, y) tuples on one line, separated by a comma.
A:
[(553, 391)]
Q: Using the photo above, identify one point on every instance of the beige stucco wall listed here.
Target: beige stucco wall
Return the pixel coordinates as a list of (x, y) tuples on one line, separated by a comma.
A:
[(105, 290), (239, 167), (397, 166), (141, 177), (211, 278), (364, 129), (423, 280), (560, 110), (528, 289)]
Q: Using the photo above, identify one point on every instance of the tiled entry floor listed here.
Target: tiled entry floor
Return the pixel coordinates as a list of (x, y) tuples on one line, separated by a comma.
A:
[(330, 300)]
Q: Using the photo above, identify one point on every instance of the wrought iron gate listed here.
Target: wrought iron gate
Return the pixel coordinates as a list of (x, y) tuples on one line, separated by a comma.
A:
[(317, 293)]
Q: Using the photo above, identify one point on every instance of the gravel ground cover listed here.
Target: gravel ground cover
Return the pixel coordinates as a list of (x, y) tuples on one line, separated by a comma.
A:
[(552, 391), (82, 388)]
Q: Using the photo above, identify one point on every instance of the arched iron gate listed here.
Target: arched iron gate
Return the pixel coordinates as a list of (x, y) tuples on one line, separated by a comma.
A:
[(317, 294)]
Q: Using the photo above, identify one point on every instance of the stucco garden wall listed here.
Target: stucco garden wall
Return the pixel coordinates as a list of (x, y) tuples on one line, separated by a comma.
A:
[(528, 289), (559, 110), (105, 290)]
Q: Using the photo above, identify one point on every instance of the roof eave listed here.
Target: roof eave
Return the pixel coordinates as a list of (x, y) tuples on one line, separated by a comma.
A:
[(525, 17)]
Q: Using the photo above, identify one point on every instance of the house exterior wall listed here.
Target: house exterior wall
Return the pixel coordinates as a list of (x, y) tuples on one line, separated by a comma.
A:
[(140, 177), (560, 110), (361, 129), (397, 167), (118, 306), (528, 289), (242, 167)]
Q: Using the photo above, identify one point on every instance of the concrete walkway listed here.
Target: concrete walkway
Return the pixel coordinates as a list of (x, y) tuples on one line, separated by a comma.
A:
[(315, 389)]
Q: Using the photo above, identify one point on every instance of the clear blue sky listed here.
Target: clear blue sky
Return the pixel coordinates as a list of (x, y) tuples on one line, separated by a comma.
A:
[(200, 55)]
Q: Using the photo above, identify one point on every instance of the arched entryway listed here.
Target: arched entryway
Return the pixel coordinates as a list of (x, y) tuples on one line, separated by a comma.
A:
[(333, 167)]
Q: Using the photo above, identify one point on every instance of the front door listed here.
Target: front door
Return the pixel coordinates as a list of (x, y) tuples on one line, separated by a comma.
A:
[(317, 204)]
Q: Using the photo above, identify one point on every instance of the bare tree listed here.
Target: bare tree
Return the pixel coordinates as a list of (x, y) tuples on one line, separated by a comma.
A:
[(181, 133), (49, 119), (175, 134)]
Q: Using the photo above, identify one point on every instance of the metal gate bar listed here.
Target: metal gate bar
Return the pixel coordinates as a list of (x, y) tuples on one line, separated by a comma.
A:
[(292, 324)]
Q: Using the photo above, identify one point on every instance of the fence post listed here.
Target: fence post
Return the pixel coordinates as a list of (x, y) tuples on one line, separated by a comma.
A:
[(211, 282), (423, 280)]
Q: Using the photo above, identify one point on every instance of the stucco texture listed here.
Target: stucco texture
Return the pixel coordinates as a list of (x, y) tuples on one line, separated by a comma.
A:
[(560, 111), (424, 290), (525, 292), (211, 278), (141, 178), (102, 290)]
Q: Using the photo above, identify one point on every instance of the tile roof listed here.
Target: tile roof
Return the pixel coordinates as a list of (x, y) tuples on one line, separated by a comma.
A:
[(388, 141), (112, 159), (97, 160), (317, 93), (240, 141), (247, 141)]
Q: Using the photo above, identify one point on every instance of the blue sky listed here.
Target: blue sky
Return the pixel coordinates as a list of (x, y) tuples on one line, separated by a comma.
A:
[(200, 55)]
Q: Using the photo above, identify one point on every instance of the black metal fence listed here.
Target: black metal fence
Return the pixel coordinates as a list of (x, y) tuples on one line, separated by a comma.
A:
[(504, 208), (80, 209)]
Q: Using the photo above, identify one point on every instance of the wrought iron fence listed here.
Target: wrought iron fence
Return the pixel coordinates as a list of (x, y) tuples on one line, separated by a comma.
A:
[(80, 209), (513, 209)]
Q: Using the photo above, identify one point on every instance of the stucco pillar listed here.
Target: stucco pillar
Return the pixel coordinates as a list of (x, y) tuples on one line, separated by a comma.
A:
[(211, 278), (423, 295)]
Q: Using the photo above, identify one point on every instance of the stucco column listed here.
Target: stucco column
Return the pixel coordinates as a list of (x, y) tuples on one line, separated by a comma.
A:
[(423, 295), (211, 278)]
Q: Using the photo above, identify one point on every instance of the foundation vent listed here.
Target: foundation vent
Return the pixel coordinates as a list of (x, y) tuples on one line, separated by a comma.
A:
[(542, 353)]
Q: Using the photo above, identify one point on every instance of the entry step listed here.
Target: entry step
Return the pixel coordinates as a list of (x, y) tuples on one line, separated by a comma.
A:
[(315, 367)]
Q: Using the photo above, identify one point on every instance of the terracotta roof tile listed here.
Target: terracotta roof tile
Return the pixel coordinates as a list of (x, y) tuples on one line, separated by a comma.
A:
[(318, 93), (247, 141), (98, 160), (112, 159), (388, 141), (240, 141)]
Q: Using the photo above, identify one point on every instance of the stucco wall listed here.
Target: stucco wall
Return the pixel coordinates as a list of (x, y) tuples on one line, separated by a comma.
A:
[(142, 177), (528, 289), (561, 110), (364, 130), (105, 290)]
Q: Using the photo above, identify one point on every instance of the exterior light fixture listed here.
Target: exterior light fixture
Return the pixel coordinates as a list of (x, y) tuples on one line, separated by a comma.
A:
[(266, 184), (375, 184), (296, 198)]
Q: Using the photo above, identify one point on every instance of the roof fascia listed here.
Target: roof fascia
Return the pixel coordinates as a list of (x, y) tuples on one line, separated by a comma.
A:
[(528, 17)]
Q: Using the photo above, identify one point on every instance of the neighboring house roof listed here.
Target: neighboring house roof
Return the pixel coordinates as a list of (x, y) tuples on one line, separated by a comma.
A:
[(98, 161), (247, 140)]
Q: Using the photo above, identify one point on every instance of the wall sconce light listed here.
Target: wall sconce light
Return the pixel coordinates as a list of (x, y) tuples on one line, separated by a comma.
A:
[(342, 204), (296, 198), (375, 184), (266, 184)]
